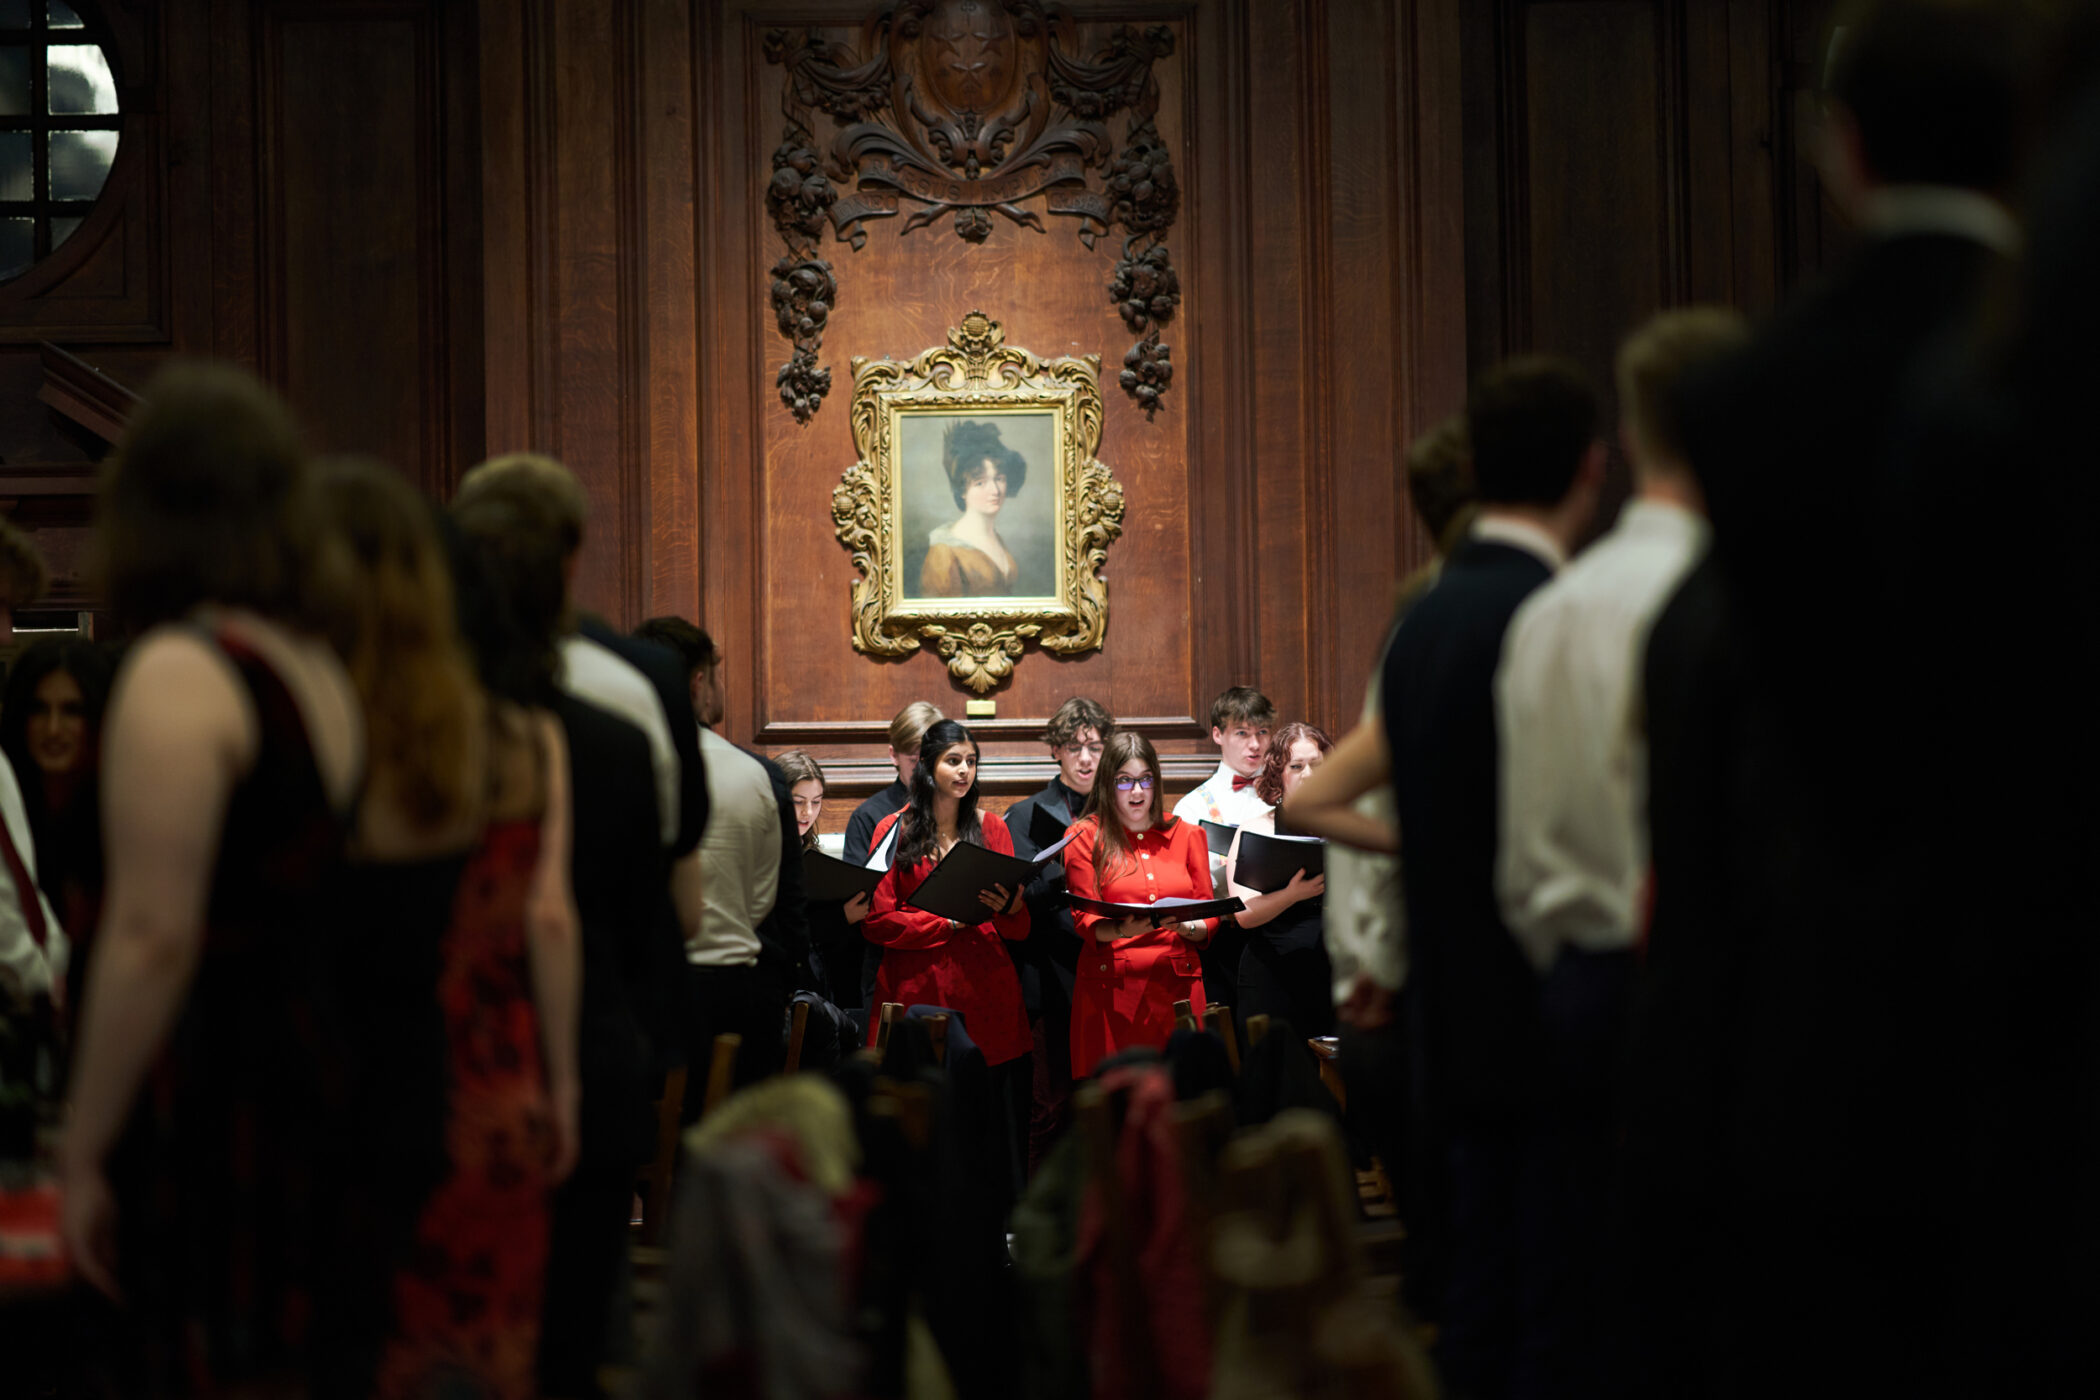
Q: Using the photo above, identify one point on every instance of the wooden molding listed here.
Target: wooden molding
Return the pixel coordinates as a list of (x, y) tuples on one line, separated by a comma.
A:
[(84, 394)]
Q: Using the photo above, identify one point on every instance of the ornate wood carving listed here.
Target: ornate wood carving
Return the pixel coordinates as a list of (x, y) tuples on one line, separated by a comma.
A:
[(979, 638), (970, 108)]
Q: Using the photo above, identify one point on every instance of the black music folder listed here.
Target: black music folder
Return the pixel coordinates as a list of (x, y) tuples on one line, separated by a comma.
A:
[(966, 871), (1267, 862), (1172, 910), (1218, 837), (826, 877)]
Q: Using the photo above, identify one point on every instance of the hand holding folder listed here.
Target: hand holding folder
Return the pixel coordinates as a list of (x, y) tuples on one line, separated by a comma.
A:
[(956, 888), (1267, 862), (826, 877), (1172, 910)]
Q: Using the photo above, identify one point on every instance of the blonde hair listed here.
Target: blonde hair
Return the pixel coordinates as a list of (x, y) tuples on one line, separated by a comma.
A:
[(1655, 357), (551, 487), (911, 724)]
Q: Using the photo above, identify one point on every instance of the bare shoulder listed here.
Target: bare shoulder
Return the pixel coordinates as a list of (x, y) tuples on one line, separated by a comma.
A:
[(173, 682), (323, 691)]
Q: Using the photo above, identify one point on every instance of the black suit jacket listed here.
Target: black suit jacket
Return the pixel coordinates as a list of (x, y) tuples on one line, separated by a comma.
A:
[(860, 827), (1837, 998), (860, 836), (1048, 959), (667, 675), (631, 947), (1471, 997), (783, 935)]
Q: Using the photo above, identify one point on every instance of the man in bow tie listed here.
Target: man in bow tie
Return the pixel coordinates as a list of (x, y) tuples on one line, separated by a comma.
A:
[(1240, 721)]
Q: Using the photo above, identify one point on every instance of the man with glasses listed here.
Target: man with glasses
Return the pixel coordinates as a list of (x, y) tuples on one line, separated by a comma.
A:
[(1047, 962)]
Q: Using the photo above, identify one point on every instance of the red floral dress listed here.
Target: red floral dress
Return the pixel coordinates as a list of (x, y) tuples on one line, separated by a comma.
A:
[(1126, 990), (467, 1305), (927, 963)]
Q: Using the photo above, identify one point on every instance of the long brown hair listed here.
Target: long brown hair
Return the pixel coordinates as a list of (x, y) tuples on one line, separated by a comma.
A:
[(1112, 841), (799, 768), (1268, 783), (425, 713)]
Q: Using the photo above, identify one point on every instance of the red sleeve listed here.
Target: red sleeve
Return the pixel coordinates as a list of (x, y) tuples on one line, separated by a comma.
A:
[(1195, 853), (1082, 879), (1011, 927), (893, 925)]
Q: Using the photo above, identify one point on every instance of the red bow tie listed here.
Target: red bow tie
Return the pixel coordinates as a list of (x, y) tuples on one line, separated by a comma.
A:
[(1239, 782)]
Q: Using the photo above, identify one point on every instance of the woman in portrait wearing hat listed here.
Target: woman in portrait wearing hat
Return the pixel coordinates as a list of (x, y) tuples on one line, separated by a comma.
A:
[(968, 559)]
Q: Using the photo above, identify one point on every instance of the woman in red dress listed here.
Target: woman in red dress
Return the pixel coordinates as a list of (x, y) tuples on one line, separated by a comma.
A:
[(931, 961), (1127, 851)]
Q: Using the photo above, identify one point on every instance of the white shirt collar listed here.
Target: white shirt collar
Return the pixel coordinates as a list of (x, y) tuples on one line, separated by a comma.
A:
[(1900, 209), (1521, 534), (1645, 515)]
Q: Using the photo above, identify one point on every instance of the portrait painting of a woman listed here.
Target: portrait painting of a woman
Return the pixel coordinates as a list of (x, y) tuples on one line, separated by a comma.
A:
[(972, 523), (966, 558)]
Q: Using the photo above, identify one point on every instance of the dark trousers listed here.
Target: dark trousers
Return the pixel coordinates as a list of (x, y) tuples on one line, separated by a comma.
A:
[(1531, 1308), (585, 1319), (1295, 986), (748, 1000), (1050, 1105)]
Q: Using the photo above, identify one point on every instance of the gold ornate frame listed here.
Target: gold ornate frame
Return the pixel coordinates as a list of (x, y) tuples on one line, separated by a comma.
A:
[(980, 638)]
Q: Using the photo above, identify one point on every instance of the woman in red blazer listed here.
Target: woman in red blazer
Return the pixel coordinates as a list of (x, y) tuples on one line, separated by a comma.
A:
[(1127, 851)]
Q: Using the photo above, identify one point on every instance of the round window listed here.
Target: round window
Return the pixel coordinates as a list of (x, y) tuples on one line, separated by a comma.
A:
[(58, 128)]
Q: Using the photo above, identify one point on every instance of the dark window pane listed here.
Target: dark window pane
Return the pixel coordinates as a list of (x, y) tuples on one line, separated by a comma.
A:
[(62, 229), (17, 175), (15, 246), (62, 15), (14, 81), (14, 14), (80, 162), (80, 81)]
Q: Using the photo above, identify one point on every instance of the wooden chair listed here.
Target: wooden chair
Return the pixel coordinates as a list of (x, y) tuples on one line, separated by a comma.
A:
[(721, 1071), (937, 1032), (798, 1027), (892, 1013), (1374, 1188), (1219, 1019), (654, 1178), (1184, 1016)]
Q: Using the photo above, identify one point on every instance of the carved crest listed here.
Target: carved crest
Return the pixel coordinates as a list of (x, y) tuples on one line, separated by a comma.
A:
[(969, 108)]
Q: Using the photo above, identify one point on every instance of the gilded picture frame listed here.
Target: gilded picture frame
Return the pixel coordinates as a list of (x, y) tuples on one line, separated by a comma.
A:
[(978, 514)]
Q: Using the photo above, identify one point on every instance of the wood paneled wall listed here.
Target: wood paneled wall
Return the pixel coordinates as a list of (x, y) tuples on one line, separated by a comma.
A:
[(451, 228), (296, 189), (1320, 251)]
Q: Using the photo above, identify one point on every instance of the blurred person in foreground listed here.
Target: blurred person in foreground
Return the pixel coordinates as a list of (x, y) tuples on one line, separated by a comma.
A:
[(194, 1150), (1798, 1117)]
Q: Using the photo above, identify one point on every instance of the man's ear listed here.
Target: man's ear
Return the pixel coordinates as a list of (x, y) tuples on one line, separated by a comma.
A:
[(1594, 463), (1217, 736)]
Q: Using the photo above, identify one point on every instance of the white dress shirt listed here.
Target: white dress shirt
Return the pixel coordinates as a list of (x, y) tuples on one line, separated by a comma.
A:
[(25, 969), (1365, 927), (739, 856), (610, 681), (1574, 840), (1215, 801)]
